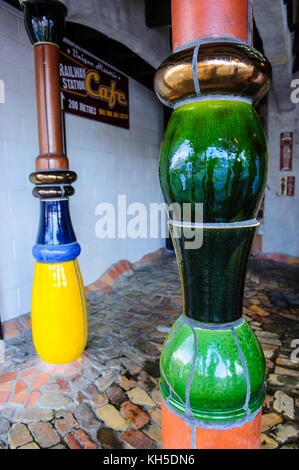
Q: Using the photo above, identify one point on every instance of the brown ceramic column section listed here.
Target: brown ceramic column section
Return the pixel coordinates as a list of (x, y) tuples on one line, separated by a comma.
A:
[(193, 20), (48, 108)]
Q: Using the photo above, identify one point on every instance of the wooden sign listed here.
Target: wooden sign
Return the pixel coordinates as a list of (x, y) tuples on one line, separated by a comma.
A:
[(286, 151), (92, 89)]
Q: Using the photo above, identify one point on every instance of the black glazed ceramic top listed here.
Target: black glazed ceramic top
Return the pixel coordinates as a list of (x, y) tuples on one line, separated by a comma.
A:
[(44, 20)]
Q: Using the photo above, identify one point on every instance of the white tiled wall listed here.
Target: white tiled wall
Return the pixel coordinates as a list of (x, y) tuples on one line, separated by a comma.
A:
[(108, 160)]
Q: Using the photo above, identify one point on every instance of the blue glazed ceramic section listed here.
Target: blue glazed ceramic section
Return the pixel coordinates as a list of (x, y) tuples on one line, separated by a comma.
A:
[(55, 226), (56, 253)]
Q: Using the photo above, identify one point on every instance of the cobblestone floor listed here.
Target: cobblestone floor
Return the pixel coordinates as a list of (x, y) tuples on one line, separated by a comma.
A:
[(109, 398)]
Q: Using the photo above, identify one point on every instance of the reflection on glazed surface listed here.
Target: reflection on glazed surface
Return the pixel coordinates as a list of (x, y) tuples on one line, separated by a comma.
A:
[(215, 153)]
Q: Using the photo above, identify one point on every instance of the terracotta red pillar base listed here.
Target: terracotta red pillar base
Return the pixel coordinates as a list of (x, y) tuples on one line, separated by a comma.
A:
[(177, 434)]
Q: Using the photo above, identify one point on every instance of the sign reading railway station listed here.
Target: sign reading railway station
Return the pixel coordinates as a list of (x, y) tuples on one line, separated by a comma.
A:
[(92, 89)]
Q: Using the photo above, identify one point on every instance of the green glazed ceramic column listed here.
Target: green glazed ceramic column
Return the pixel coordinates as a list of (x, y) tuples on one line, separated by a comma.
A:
[(214, 153)]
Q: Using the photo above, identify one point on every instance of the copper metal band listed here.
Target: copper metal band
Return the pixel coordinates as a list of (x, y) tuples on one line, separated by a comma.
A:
[(53, 177), (213, 69)]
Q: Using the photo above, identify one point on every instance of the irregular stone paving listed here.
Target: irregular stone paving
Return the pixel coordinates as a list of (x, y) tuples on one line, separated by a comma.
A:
[(109, 398)]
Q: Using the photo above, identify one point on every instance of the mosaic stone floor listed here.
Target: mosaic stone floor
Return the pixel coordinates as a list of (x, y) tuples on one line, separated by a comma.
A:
[(109, 398)]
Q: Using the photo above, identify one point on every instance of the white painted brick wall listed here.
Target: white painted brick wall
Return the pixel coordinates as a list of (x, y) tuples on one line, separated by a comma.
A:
[(108, 161)]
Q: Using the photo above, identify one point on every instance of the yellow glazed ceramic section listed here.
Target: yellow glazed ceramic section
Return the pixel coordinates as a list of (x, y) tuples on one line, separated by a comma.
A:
[(59, 313)]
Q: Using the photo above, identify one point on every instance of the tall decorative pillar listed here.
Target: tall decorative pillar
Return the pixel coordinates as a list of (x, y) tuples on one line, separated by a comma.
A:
[(214, 152), (59, 314)]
